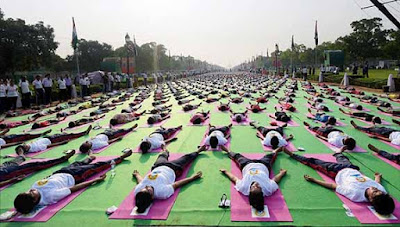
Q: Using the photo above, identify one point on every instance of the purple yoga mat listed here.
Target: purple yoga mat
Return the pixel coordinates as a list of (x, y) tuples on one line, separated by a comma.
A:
[(159, 210), (395, 165), (360, 210), (31, 160), (137, 149), (241, 209), (338, 123), (357, 149), (51, 210)]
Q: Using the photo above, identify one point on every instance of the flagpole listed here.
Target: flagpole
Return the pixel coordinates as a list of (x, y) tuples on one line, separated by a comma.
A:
[(77, 61)]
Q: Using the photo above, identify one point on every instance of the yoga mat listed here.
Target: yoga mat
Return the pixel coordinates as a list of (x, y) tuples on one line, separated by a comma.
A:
[(29, 155), (289, 123), (245, 121), (391, 144), (283, 109), (312, 107), (370, 122), (154, 125), (227, 145), (137, 149), (49, 211), (290, 146), (395, 165), (241, 209), (206, 122), (39, 129), (357, 149), (103, 148), (27, 175), (360, 210), (159, 210), (249, 108), (338, 123)]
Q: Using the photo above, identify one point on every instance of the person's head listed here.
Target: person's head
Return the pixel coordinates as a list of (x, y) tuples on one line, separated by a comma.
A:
[(151, 120), (350, 143), (238, 118), (145, 146), (256, 197), (347, 99), (285, 118), (85, 147), (197, 121), (23, 79), (144, 198), (113, 121), (92, 114), (382, 202), (47, 76), (3, 126), (292, 109), (71, 124), (377, 120), (331, 120), (274, 142), (26, 201), (35, 125), (325, 108), (213, 142), (37, 77), (22, 149), (255, 110)]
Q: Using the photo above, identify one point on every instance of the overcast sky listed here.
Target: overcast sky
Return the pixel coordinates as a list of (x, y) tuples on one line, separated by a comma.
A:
[(224, 32)]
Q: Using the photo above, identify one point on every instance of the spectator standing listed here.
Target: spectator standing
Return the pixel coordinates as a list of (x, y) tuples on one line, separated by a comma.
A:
[(111, 82), (118, 81), (12, 95), (304, 71), (68, 83), (145, 79), (26, 93), (37, 83), (62, 89), (3, 96), (105, 82), (47, 84)]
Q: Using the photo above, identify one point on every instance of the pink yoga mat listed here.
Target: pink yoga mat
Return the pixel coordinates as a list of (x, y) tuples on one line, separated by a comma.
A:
[(391, 144), (31, 160), (395, 165), (137, 149), (338, 123), (290, 146), (51, 210), (159, 209), (360, 210), (241, 209), (29, 155), (357, 149)]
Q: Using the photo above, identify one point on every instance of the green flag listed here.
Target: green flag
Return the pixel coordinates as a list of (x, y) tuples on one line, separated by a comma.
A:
[(74, 35)]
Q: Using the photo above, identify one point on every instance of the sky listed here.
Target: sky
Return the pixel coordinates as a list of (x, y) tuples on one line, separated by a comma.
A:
[(222, 32)]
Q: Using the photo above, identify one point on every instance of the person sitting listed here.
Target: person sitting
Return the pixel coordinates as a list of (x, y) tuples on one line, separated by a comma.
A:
[(43, 124), (15, 170), (321, 117), (224, 107), (332, 135), (124, 118), (255, 108), (199, 117), (255, 183), (49, 141), (160, 182), (217, 136), (62, 183), (104, 139), (363, 116), (349, 181), (157, 118), (392, 157), (15, 139), (239, 116), (272, 137), (158, 139), (190, 107), (383, 133)]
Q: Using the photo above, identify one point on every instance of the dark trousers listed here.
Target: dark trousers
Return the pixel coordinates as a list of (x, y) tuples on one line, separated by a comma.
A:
[(57, 138), (26, 100), (3, 104), (166, 133), (62, 94), (39, 96), (112, 133), (47, 95), (265, 130), (19, 137), (242, 161), (84, 90), (82, 170), (392, 157), (69, 90), (328, 168), (13, 169), (224, 130), (177, 165), (379, 131), (323, 131), (12, 103)]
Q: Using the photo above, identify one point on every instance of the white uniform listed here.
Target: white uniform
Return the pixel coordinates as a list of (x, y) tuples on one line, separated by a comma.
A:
[(256, 172), (54, 188), (156, 140), (220, 136), (2, 142), (336, 138), (268, 137), (39, 145), (395, 138), (161, 179), (99, 141)]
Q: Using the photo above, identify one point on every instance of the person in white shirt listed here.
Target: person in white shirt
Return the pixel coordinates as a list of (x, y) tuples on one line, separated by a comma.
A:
[(158, 139), (383, 133), (118, 81), (63, 182), (349, 181), (217, 136), (160, 182), (3, 96), (39, 91), (272, 137), (12, 95), (104, 139), (255, 182), (62, 86), (238, 117), (144, 79), (47, 84), (26, 93)]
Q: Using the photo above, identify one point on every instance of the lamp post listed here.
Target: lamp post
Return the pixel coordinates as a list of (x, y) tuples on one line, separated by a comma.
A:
[(127, 39), (276, 58)]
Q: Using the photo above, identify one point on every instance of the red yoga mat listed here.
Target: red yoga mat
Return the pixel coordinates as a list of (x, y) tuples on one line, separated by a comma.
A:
[(360, 210), (241, 209)]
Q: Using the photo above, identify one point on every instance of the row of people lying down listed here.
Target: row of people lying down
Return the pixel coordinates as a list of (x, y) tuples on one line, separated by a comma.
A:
[(161, 182)]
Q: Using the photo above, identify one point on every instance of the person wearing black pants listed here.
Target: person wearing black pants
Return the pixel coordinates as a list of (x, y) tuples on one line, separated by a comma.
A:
[(392, 157)]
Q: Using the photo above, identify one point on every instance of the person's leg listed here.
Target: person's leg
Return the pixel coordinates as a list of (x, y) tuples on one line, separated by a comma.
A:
[(239, 159), (179, 164), (328, 168), (268, 160), (65, 136), (161, 159), (389, 156), (112, 134), (280, 130)]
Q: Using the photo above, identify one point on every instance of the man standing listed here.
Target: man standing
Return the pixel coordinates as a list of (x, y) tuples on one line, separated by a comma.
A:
[(68, 83), (37, 83), (47, 84), (145, 79), (26, 93), (62, 86), (118, 80)]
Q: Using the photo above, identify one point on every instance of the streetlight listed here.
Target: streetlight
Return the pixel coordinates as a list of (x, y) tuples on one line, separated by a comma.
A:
[(127, 40)]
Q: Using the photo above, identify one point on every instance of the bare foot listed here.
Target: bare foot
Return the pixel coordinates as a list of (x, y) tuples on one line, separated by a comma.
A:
[(373, 148)]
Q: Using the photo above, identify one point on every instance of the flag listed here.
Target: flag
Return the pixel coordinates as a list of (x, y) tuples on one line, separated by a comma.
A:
[(267, 53), (135, 52), (316, 33), (74, 35), (292, 42)]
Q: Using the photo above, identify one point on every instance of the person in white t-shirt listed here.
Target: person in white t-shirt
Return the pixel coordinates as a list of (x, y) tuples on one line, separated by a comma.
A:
[(160, 182), (272, 137), (47, 84), (238, 116), (255, 182), (39, 90), (159, 138), (26, 93), (63, 183), (383, 133), (349, 181), (217, 136), (62, 89), (12, 95), (3, 96)]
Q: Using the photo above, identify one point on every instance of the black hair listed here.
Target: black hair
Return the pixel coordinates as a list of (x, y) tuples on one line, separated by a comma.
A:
[(197, 121), (256, 199), (84, 148), (285, 118), (113, 121), (150, 120), (71, 124), (325, 108), (213, 141), (3, 126), (383, 204), (24, 203), (369, 118), (359, 107), (238, 118), (350, 143), (274, 142), (20, 147), (377, 120), (35, 125), (92, 113), (145, 146), (142, 201), (331, 121), (347, 99)]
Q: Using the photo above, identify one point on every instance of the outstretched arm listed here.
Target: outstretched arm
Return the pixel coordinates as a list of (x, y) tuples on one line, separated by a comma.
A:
[(378, 178), (137, 176), (320, 182), (115, 140), (187, 180), (12, 180), (230, 175), (280, 175), (86, 183)]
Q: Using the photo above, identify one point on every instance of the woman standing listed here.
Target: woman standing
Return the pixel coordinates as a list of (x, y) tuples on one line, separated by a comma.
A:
[(26, 93), (12, 95)]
